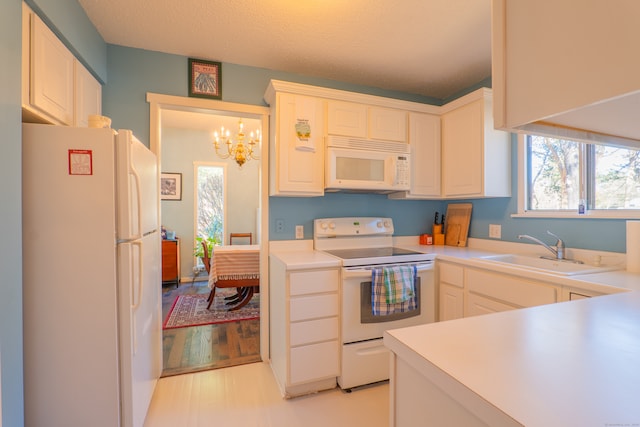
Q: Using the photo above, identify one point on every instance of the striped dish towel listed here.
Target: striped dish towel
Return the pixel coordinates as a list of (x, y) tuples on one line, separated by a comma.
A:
[(393, 290)]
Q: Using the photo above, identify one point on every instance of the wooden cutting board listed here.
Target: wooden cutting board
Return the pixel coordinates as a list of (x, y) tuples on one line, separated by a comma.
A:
[(456, 224)]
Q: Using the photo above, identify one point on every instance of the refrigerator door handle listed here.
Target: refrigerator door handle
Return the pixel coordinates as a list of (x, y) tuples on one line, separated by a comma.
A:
[(139, 200), (136, 303)]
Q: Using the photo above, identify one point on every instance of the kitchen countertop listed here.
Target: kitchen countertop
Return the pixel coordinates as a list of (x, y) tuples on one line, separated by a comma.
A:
[(303, 257), (566, 364), (606, 282), (299, 254)]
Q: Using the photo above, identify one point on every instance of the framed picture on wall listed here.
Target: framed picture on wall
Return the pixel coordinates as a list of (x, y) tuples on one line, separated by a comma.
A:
[(170, 186), (205, 79)]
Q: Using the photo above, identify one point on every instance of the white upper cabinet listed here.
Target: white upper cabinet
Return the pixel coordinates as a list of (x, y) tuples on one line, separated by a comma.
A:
[(51, 73), (565, 70), (56, 88), (387, 124), (455, 150), (346, 119), (424, 140), (364, 121), (296, 145), (88, 96), (476, 159)]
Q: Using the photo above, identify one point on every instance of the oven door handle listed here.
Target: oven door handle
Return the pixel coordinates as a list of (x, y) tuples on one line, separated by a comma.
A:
[(364, 272)]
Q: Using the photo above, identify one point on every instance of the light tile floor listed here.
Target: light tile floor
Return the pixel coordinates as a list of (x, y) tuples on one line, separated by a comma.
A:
[(248, 396)]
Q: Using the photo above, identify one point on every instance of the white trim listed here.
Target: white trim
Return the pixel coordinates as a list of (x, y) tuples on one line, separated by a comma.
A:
[(158, 103), (589, 214), (522, 183), (279, 86)]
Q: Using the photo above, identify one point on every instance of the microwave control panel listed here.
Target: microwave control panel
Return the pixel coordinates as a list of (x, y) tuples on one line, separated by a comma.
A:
[(402, 170)]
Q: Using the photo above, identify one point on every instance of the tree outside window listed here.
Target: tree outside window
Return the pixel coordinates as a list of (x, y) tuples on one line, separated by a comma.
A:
[(560, 173), (210, 201)]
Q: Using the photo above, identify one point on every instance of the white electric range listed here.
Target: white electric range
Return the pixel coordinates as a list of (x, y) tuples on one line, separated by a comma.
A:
[(363, 244)]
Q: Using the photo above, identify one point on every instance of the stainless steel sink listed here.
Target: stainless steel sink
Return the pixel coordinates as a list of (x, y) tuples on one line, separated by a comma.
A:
[(561, 268)]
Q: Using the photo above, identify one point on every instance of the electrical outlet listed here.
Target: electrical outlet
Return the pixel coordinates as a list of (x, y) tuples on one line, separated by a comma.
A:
[(495, 231), (299, 231), (279, 225)]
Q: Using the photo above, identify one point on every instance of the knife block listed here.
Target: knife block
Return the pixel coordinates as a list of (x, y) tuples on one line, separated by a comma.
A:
[(438, 237)]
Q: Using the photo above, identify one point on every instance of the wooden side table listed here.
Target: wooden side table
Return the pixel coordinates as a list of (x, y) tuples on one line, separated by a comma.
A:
[(171, 261)]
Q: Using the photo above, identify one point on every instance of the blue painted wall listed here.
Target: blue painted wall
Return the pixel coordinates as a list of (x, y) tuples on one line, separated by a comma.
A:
[(124, 101)]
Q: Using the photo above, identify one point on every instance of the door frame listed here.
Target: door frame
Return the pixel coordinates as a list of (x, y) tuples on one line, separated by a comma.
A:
[(159, 103)]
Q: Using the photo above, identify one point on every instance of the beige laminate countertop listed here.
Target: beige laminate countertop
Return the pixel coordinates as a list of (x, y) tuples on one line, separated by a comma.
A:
[(605, 282), (304, 259), (566, 364)]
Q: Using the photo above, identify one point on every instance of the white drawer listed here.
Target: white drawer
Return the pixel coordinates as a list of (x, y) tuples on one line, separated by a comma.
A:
[(313, 307), (452, 274), (314, 362), (510, 289), (312, 282), (313, 331)]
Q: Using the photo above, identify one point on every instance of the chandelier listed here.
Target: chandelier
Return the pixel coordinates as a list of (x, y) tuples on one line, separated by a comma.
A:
[(242, 151)]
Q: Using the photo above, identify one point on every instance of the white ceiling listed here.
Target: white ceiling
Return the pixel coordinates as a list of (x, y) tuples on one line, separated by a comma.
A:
[(434, 48), (207, 121)]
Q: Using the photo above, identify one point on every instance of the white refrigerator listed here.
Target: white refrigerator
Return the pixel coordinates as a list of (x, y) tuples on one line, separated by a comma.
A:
[(91, 277)]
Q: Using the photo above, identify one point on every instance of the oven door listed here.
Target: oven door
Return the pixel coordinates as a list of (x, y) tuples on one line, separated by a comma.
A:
[(358, 323)]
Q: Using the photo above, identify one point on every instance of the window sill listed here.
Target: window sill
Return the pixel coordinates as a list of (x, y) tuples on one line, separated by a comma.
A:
[(611, 214)]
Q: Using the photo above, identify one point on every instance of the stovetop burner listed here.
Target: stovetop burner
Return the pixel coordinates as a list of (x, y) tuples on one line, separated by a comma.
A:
[(370, 252), (362, 241), (370, 257)]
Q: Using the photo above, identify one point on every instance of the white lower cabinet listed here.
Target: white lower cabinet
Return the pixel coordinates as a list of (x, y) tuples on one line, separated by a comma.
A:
[(572, 294), (305, 347), (490, 292), (478, 304), (468, 291), (451, 291), (311, 362), (451, 302)]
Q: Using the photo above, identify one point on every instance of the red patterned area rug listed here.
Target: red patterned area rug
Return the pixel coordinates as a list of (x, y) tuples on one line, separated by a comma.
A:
[(191, 310)]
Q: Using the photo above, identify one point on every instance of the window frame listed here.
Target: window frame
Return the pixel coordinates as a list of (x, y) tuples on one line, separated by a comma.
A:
[(523, 212)]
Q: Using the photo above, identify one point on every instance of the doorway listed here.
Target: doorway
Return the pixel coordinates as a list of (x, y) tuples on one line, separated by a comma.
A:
[(200, 117)]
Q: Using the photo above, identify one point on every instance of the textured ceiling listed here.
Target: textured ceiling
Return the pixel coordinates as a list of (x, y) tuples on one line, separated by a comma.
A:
[(433, 48)]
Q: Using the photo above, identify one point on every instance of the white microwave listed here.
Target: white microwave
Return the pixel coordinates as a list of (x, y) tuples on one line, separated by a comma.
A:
[(362, 164)]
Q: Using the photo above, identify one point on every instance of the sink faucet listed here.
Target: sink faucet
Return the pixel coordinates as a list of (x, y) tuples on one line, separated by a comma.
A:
[(558, 252)]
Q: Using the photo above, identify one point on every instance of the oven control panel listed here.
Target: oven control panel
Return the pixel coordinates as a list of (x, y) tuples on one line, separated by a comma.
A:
[(352, 226)]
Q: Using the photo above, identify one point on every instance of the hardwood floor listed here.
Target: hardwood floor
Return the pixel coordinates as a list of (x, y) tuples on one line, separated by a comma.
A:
[(206, 347)]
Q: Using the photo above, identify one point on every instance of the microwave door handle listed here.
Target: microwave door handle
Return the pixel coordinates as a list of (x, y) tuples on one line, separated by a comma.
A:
[(394, 170)]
